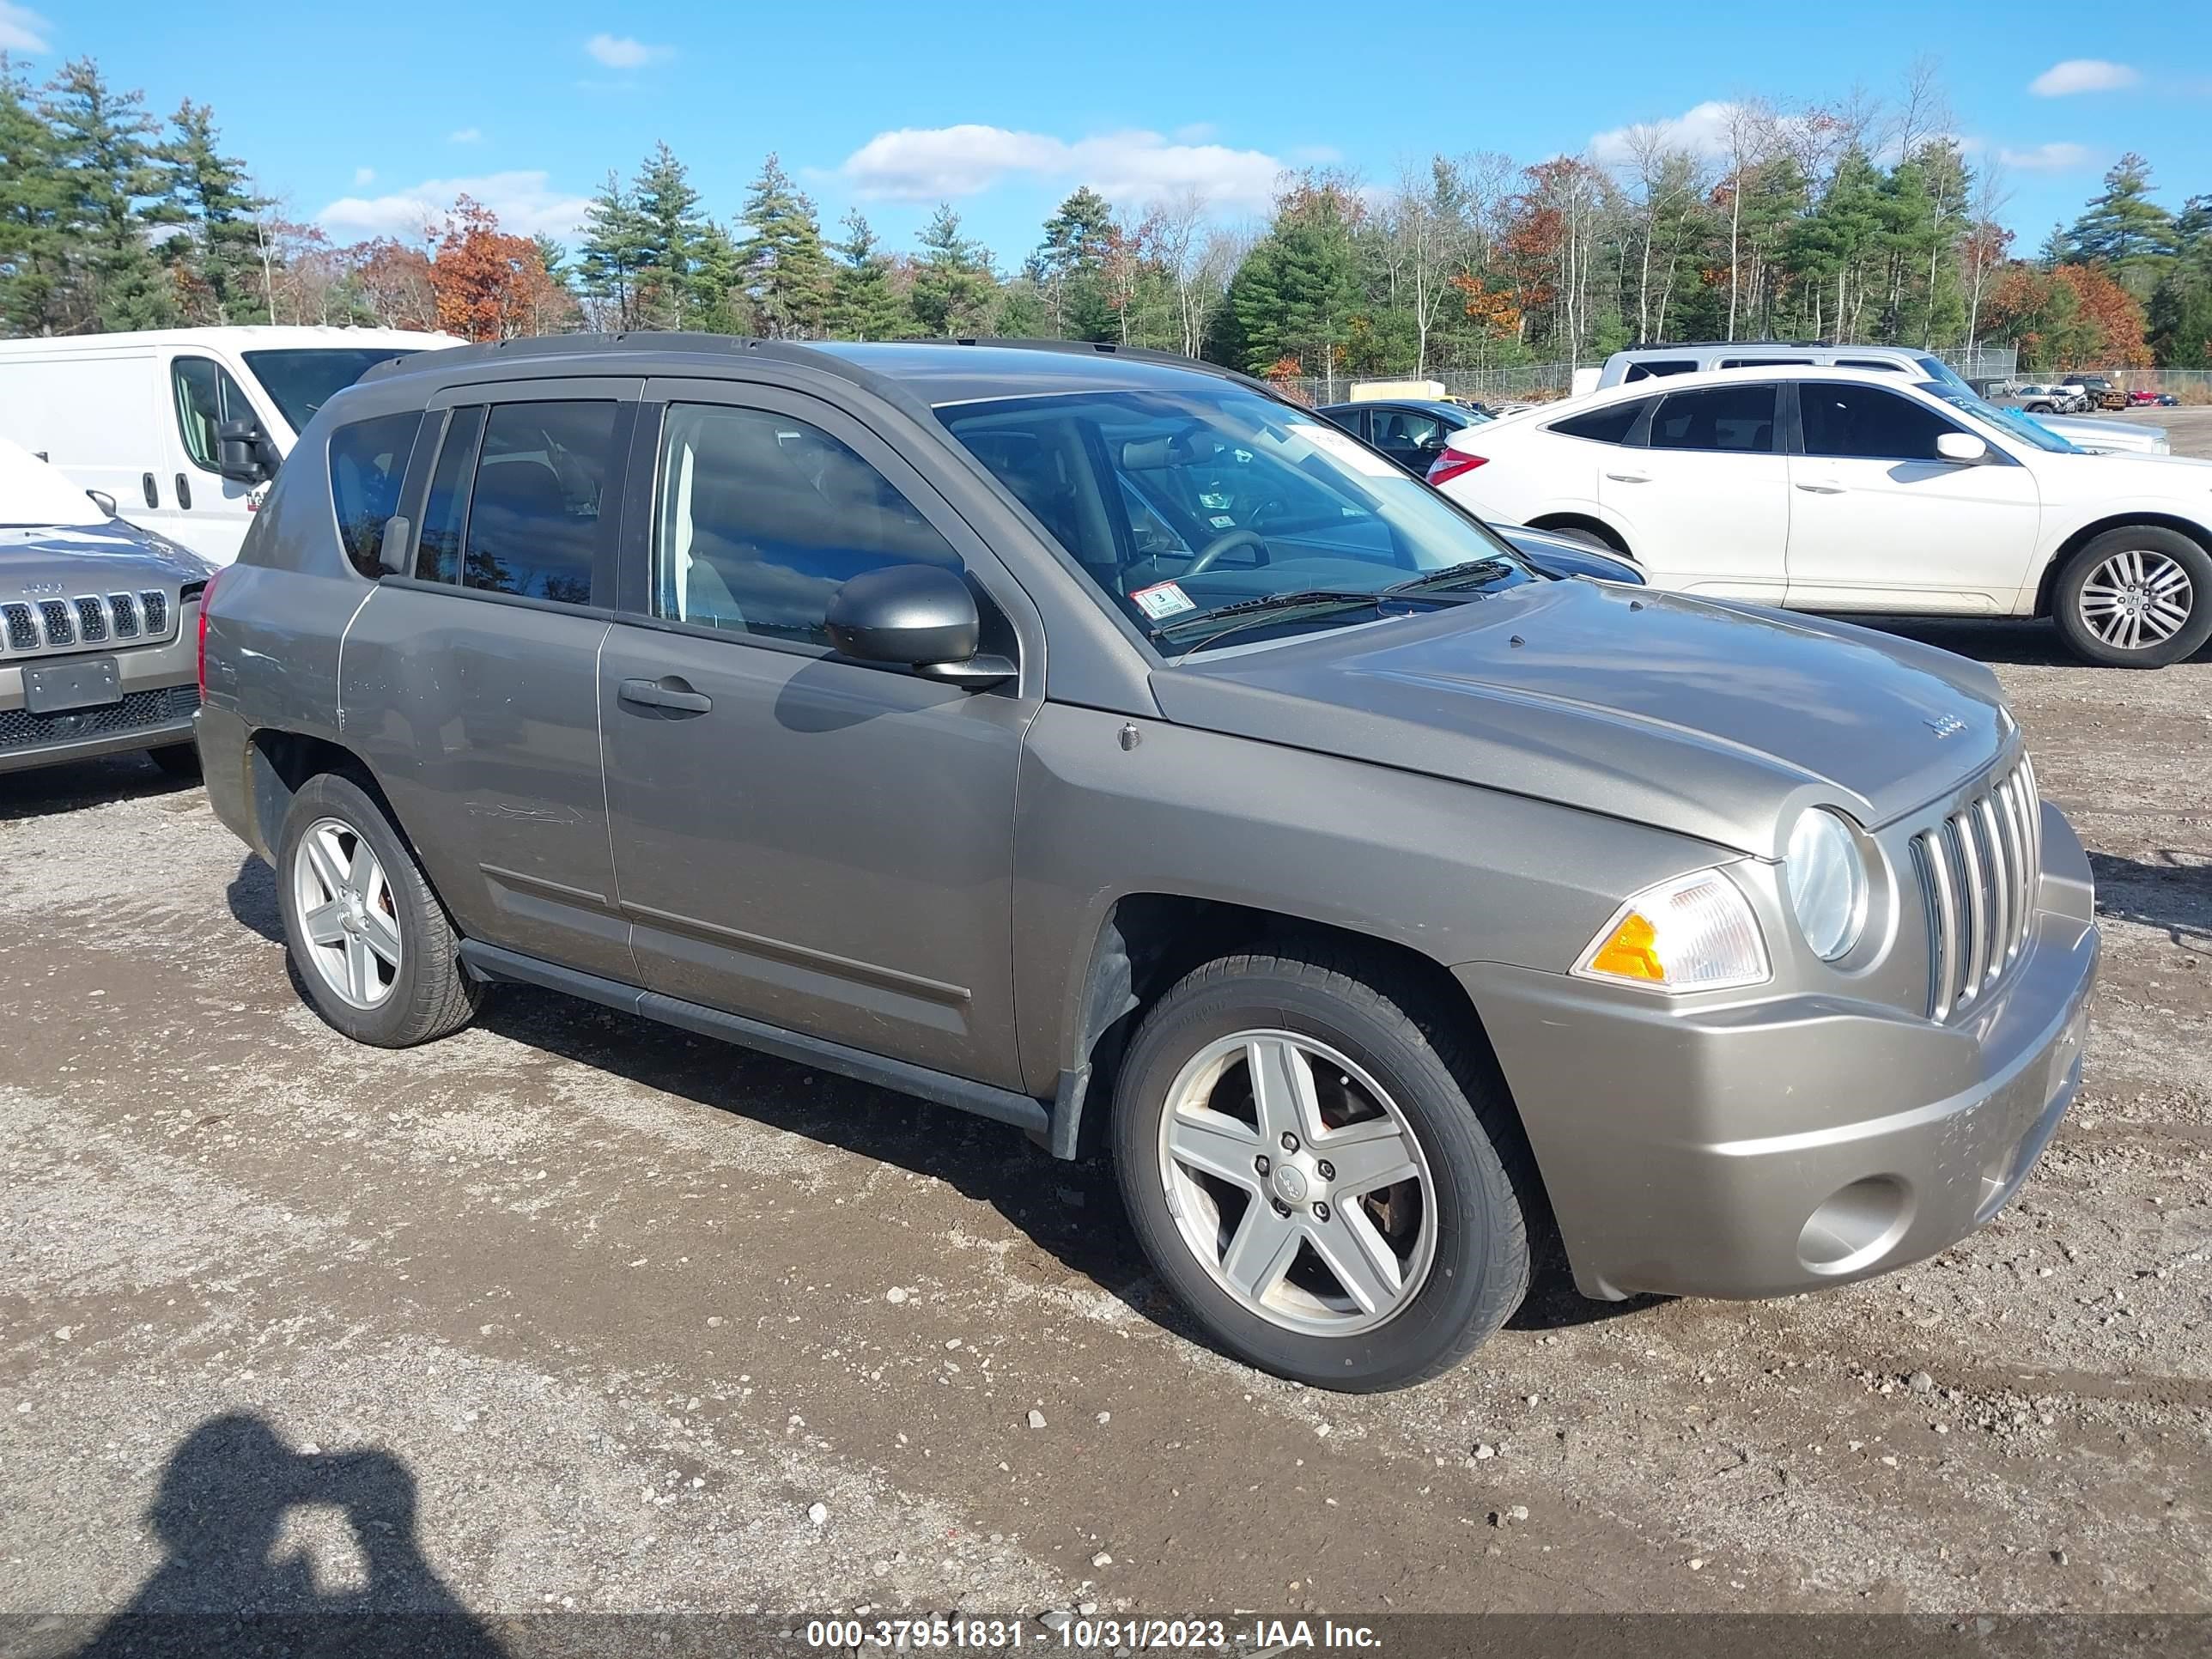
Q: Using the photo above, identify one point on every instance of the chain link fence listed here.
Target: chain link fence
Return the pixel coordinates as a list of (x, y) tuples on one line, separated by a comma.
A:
[(1541, 382)]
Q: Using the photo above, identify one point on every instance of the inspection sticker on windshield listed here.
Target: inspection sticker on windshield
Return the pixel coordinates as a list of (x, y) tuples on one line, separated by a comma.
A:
[(1163, 600), (1346, 448)]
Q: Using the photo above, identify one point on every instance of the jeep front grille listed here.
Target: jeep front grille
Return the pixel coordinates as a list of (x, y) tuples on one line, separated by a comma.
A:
[(1978, 876), (31, 628)]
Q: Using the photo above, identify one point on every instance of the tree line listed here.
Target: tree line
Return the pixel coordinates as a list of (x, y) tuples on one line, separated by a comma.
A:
[(1857, 221)]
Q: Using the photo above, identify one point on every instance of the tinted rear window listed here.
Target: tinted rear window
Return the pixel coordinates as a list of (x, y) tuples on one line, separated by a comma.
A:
[(369, 460), (438, 549), (1663, 365), (1605, 426), (534, 513)]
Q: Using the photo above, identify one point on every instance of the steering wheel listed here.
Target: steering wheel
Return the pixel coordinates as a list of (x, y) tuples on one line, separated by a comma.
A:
[(1220, 544)]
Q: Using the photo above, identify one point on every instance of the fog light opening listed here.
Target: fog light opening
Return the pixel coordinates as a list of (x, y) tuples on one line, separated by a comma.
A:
[(1855, 1226)]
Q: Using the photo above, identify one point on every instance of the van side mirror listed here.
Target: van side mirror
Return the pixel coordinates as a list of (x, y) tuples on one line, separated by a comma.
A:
[(240, 451), (103, 501), (391, 551), (1962, 447), (916, 615)]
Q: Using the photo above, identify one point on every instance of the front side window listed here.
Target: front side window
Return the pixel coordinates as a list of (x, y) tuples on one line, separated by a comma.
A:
[(761, 517), (1182, 498), (368, 461), (1867, 422), (205, 397), (533, 516), (300, 381), (1406, 429), (1737, 418)]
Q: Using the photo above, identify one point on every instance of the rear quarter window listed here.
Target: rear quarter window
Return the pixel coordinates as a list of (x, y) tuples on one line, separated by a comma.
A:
[(1609, 425), (368, 461)]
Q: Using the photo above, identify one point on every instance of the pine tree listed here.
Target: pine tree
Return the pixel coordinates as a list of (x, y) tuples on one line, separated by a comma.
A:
[(863, 305), (102, 142), (2124, 228), (673, 225), (217, 255), (613, 255), (34, 200), (718, 284), (1297, 292), (786, 269), (952, 280), (1066, 267)]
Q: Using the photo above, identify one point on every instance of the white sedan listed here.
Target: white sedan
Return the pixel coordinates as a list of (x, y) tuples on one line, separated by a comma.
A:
[(1839, 490)]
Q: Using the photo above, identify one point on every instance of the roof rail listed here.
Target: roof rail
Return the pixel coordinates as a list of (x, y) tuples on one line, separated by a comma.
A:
[(1701, 345)]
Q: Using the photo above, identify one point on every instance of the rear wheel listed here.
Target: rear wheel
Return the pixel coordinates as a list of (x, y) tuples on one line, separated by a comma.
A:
[(1324, 1168), (370, 941), (2136, 597)]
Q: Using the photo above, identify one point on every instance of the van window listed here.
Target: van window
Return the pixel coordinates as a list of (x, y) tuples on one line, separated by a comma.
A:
[(763, 517), (1759, 363), (533, 523), (1868, 362), (300, 381), (1645, 371), (438, 548), (206, 397), (369, 460)]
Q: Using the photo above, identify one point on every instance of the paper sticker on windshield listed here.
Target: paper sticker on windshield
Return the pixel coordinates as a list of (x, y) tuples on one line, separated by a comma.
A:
[(1347, 449), (1163, 600), (1223, 521)]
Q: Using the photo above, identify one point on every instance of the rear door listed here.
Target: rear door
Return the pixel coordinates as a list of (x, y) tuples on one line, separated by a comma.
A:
[(824, 844), (1879, 521), (470, 685), (1701, 490)]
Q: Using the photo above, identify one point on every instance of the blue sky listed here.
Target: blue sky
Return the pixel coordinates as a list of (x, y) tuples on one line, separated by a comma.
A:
[(355, 115)]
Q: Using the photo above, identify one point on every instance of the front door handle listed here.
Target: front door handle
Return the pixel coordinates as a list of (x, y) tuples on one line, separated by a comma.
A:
[(146, 485), (1630, 477), (652, 694), (1820, 488)]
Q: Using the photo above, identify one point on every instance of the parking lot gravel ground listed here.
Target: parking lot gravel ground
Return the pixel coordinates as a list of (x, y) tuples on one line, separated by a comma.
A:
[(575, 1312)]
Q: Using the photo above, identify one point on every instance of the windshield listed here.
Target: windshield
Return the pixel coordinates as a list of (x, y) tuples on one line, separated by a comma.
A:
[(1936, 369), (301, 380), (2026, 427), (33, 496), (1181, 504)]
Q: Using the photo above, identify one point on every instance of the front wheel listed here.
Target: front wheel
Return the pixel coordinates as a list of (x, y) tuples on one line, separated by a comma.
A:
[(2136, 597), (1324, 1168)]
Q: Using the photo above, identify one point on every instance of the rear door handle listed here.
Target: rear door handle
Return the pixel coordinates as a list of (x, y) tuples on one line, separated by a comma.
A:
[(1630, 477), (1820, 488), (652, 694), (184, 492)]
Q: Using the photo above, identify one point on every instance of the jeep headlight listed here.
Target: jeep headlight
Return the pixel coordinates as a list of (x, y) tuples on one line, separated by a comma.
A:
[(1827, 879), (1696, 933)]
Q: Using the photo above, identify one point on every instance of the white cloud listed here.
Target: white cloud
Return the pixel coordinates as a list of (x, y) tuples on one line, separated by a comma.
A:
[(2044, 158), (1701, 132), (465, 136), (928, 164), (625, 52), (22, 29), (525, 203), (2082, 75), (363, 176)]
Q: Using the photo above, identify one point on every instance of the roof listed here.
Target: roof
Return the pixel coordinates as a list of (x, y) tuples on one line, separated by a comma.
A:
[(1434, 405), (935, 372)]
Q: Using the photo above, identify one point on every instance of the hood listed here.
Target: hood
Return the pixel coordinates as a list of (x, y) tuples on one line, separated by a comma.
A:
[(2122, 436), (64, 559), (1702, 717)]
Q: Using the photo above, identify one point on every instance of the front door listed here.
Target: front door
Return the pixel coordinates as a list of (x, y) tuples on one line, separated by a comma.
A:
[(822, 844), (196, 505), (1701, 491), (470, 685), (1879, 521)]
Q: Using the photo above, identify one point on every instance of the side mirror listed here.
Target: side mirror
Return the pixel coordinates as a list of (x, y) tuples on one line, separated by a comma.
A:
[(396, 541), (103, 501), (916, 615), (1963, 448), (238, 446)]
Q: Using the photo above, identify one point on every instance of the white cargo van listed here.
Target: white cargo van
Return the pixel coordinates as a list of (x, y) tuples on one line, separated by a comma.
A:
[(183, 425)]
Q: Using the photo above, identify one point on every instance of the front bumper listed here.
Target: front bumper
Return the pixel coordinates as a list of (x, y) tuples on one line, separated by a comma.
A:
[(1769, 1146), (160, 694)]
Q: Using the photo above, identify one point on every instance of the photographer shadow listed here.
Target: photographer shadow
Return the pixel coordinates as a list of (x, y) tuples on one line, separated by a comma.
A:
[(222, 1591)]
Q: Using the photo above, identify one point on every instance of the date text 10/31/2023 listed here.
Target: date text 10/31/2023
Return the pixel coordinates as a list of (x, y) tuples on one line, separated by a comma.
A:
[(1083, 1635)]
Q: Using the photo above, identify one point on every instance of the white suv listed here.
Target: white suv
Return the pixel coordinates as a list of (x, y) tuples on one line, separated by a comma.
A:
[(1839, 490)]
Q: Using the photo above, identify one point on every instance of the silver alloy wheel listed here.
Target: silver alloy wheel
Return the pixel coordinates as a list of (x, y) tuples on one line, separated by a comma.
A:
[(348, 913), (1298, 1184), (2135, 599)]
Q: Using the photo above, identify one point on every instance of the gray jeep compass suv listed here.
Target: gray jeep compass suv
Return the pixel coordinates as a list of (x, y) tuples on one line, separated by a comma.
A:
[(1098, 742)]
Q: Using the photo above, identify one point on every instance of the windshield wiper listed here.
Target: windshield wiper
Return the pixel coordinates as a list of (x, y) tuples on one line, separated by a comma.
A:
[(1467, 570), (1247, 613)]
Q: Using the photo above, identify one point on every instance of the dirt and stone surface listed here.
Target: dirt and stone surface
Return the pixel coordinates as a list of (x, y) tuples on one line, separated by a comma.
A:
[(572, 1311)]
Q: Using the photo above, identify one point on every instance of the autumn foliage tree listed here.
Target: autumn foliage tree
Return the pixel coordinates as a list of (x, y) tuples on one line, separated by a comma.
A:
[(488, 285)]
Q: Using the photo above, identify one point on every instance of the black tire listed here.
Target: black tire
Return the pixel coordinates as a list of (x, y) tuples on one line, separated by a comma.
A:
[(179, 760), (1588, 538), (1447, 1088), (430, 995), (2169, 546)]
